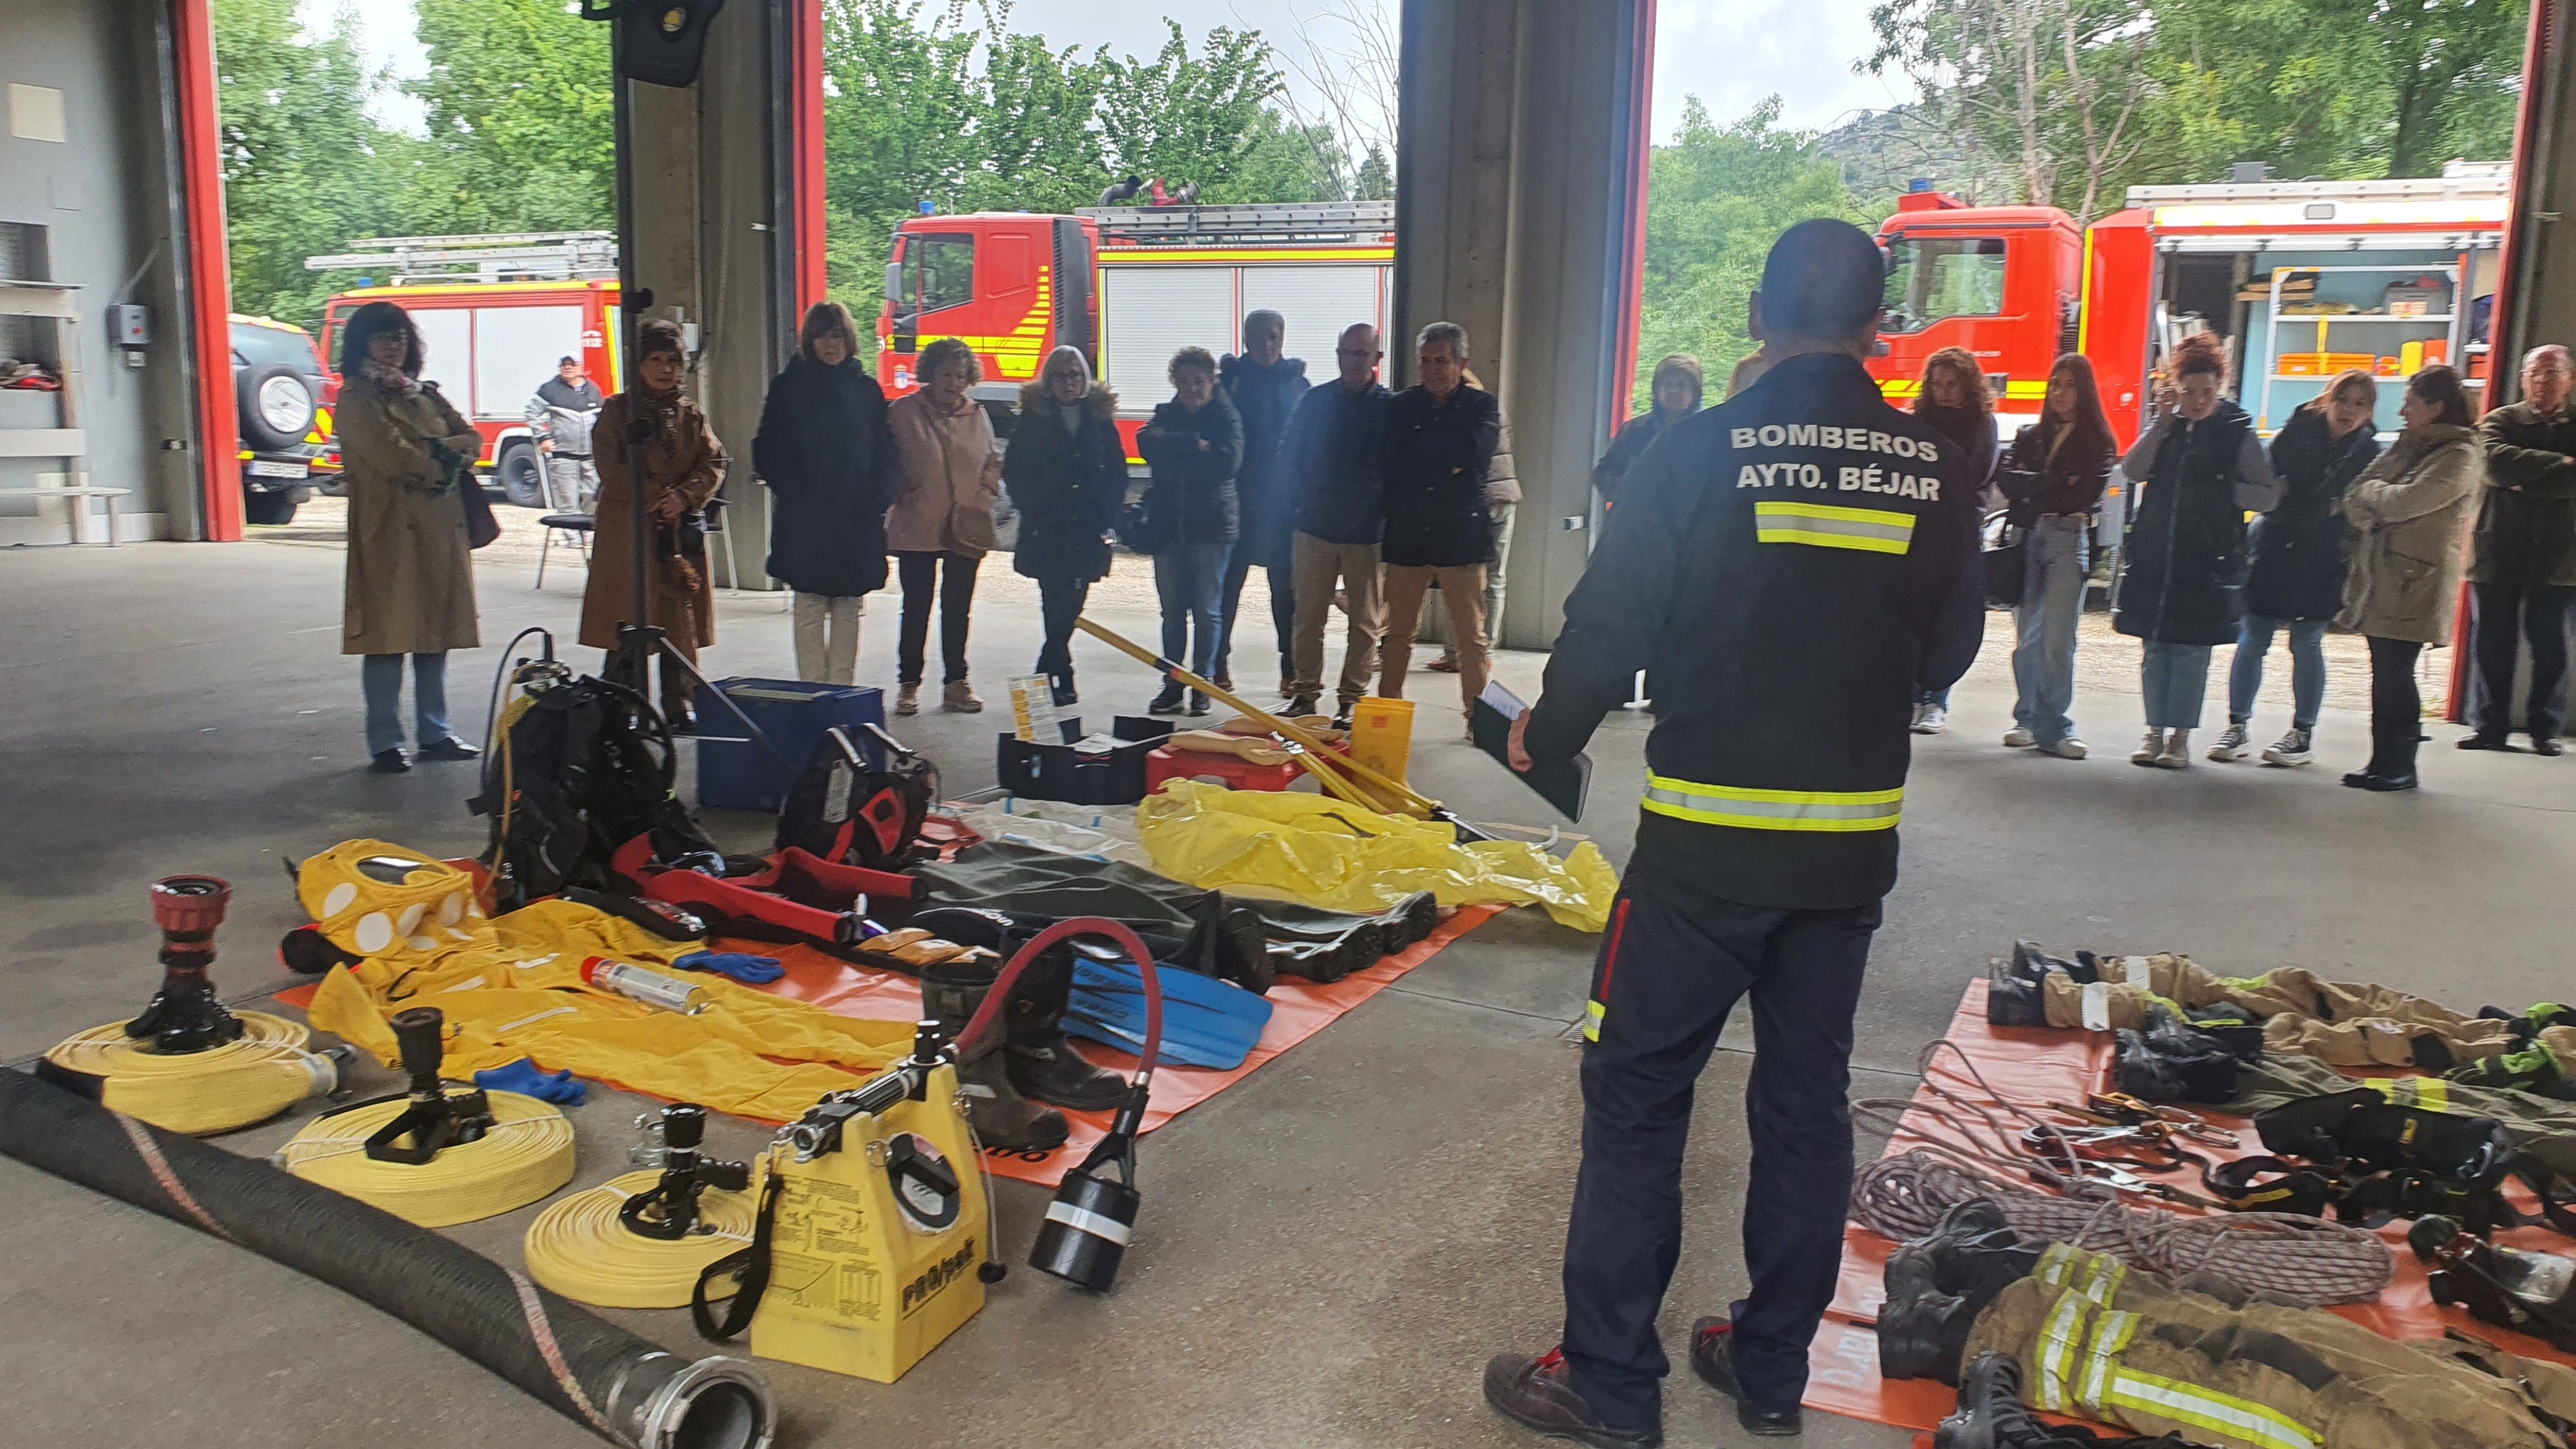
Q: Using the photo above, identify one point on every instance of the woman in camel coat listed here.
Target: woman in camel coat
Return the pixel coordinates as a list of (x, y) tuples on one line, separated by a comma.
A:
[(941, 524), (665, 480), (2408, 512), (409, 586)]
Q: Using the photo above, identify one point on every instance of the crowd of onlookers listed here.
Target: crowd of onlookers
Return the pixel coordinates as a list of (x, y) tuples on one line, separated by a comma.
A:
[(2227, 540), (1349, 495)]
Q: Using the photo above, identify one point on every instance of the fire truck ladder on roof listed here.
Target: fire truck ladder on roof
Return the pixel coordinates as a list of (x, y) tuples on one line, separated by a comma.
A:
[(524, 256), (1280, 222)]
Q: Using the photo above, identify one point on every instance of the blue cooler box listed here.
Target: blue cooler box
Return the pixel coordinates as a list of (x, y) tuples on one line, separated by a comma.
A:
[(738, 774)]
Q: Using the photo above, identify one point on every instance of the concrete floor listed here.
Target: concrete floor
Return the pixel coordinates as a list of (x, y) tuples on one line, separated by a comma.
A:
[(1329, 1251)]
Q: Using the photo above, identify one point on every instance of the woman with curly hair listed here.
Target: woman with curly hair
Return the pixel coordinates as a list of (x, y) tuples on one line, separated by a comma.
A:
[(941, 524), (407, 457)]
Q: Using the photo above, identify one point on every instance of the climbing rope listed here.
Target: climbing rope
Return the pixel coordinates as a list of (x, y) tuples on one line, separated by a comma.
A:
[(1904, 1196), (578, 1248), (265, 1071), (526, 1154)]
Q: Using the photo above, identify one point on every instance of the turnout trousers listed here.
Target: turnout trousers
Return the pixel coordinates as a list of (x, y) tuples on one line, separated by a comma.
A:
[(1666, 978)]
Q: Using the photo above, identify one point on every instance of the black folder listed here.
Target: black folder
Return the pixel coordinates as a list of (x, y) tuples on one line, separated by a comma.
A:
[(1561, 783)]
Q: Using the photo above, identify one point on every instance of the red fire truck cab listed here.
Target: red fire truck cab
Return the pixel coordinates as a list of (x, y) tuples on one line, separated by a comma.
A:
[(1130, 286), (2302, 280)]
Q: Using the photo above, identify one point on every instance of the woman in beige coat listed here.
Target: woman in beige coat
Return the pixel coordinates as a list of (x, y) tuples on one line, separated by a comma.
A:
[(941, 524), (406, 456), (661, 484), (2408, 511)]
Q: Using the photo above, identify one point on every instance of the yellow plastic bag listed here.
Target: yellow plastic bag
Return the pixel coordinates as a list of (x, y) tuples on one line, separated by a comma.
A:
[(1317, 850)]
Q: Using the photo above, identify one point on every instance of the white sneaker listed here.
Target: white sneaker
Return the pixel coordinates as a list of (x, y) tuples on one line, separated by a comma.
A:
[(1914, 721), (2018, 738), (2290, 749), (2231, 742), (2069, 748), (2149, 750), (1931, 719), (2177, 752)]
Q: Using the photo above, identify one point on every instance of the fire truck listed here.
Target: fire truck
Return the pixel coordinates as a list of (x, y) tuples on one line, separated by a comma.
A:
[(1130, 286), (495, 313), (2302, 279)]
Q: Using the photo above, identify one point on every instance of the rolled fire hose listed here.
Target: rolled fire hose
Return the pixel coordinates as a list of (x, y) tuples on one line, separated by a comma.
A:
[(580, 1249), (627, 1390), (251, 1079), (526, 1154)]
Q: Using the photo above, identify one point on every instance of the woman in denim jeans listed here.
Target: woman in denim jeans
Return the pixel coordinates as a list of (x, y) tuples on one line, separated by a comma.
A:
[(2054, 475), (2296, 578), (1195, 447), (1954, 399)]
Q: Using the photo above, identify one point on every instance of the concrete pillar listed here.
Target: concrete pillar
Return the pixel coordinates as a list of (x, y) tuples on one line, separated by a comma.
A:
[(711, 222), (2536, 297), (1518, 215)]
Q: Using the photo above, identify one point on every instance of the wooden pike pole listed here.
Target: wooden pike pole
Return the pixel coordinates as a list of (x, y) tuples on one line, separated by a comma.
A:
[(1308, 749)]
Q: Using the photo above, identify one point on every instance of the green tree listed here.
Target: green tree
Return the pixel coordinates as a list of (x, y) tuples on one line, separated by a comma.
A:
[(1716, 199), (305, 167), (519, 100)]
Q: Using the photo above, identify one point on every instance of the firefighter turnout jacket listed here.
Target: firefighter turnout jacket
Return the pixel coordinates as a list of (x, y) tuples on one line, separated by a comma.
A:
[(1791, 569)]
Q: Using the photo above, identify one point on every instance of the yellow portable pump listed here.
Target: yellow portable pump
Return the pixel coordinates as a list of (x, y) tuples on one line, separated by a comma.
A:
[(874, 1235)]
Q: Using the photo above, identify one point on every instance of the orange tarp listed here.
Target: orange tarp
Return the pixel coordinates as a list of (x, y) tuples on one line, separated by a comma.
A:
[(1298, 1010), (2033, 1066)]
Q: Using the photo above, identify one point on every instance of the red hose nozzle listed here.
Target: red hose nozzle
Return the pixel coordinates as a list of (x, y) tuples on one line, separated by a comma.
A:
[(189, 905)]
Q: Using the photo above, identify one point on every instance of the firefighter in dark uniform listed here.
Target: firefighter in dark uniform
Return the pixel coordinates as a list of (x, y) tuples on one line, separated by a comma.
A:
[(1793, 568)]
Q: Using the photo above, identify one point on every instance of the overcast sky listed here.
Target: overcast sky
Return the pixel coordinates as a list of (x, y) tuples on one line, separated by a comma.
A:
[(1731, 53)]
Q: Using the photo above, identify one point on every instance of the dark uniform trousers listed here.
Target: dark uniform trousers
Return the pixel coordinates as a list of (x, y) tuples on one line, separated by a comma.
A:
[(1669, 972)]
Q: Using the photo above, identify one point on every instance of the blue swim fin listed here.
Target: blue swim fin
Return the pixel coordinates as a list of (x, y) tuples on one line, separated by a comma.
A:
[(1206, 1022)]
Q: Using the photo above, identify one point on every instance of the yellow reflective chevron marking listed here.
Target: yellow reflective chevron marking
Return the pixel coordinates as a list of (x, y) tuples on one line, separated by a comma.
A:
[(1774, 809), (2111, 1334), (2061, 1335), (1016, 354), (1826, 525), (2240, 1420)]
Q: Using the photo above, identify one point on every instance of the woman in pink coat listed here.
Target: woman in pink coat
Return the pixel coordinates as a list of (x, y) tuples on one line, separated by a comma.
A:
[(942, 519)]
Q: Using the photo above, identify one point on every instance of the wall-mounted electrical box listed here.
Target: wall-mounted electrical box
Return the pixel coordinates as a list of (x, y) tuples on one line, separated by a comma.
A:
[(129, 324)]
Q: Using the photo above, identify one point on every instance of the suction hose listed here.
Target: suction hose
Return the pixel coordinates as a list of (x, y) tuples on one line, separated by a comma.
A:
[(627, 1390)]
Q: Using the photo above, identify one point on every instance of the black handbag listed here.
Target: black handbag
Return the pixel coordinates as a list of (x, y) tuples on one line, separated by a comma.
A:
[(1144, 528), (2004, 560)]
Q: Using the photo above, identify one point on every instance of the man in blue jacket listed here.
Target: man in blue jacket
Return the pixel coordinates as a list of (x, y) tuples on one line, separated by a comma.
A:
[(1794, 567), (1333, 465), (1264, 387)]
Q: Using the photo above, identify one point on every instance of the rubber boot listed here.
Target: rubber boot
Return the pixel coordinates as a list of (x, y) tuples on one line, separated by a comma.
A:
[(950, 993), (1990, 1413), (1043, 1063)]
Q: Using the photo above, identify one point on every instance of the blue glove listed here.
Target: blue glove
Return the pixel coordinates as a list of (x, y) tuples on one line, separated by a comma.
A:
[(749, 970), (523, 1078)]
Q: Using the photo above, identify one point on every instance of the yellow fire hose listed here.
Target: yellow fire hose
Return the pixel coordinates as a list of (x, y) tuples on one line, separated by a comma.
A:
[(251, 1079), (578, 1248), (525, 1155), (1334, 773)]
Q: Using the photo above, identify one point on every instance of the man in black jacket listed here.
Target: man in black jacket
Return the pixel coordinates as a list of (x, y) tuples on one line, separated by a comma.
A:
[(1264, 386), (2522, 558), (1332, 465), (1441, 435), (1793, 567)]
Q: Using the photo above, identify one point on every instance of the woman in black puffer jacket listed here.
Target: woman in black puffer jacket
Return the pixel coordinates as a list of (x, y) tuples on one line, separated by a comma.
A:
[(1066, 473), (1195, 447), (2194, 474), (2296, 579)]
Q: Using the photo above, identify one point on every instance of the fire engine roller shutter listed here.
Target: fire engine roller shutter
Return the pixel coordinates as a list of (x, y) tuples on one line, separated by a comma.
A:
[(1318, 303), (1073, 287), (515, 349), (447, 352), (1150, 312)]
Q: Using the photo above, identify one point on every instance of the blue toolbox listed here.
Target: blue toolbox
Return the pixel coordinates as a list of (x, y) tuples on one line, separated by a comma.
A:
[(735, 773)]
